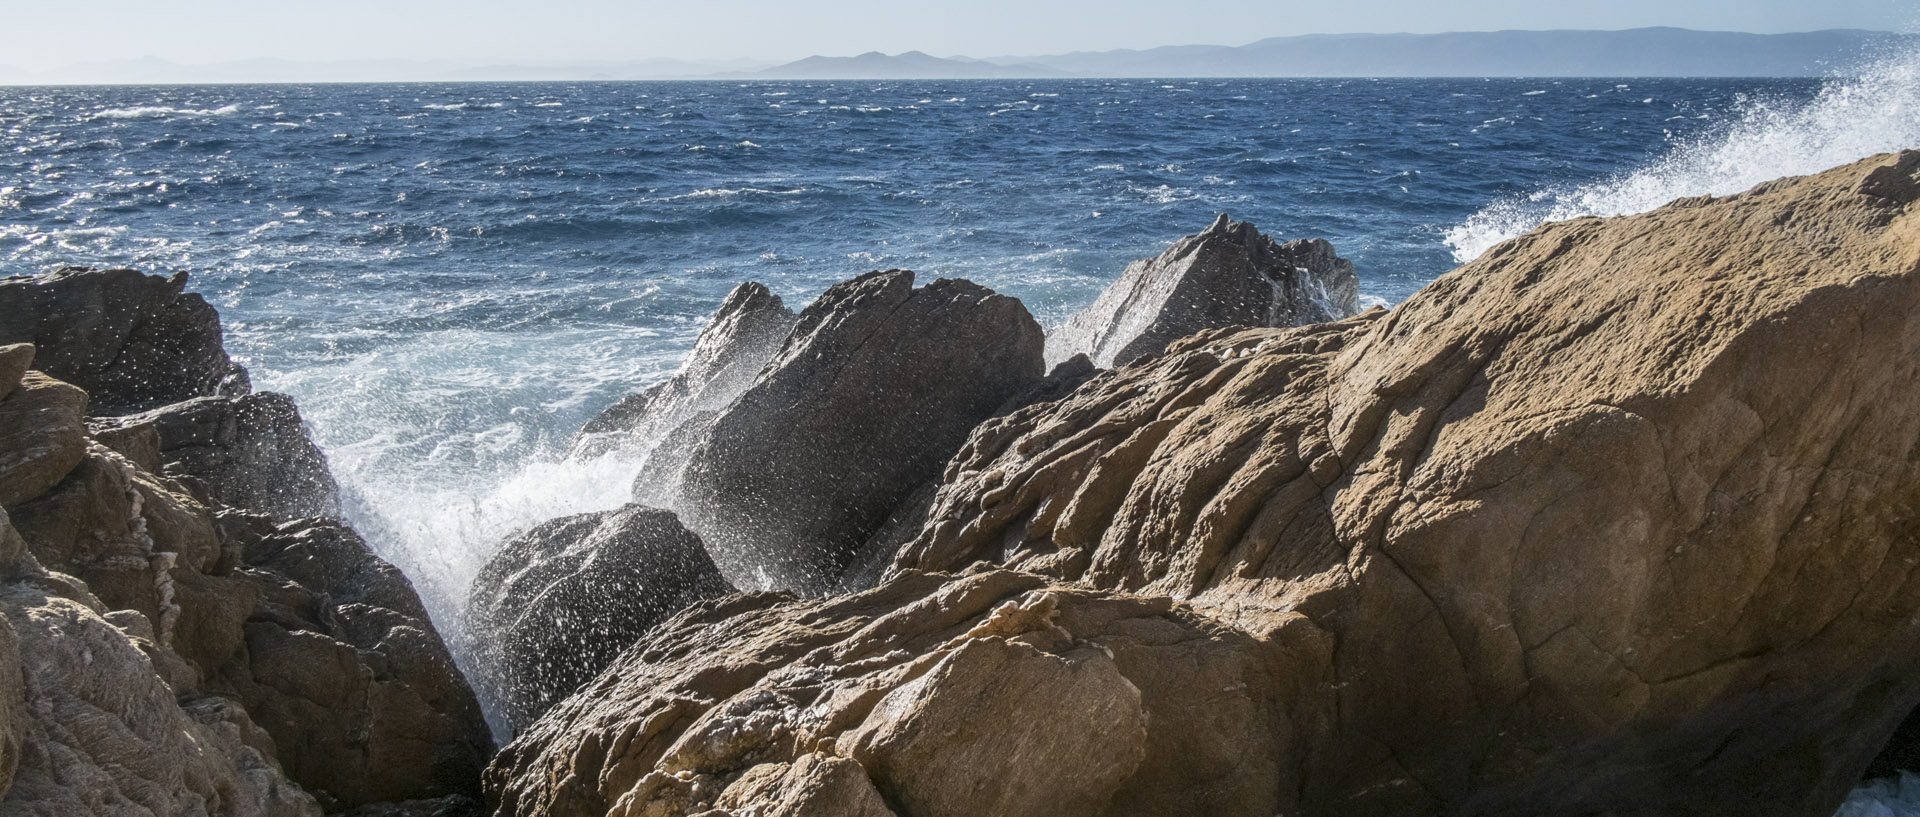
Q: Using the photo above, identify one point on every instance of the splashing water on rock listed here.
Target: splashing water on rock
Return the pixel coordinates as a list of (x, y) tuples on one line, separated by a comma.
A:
[(1874, 109)]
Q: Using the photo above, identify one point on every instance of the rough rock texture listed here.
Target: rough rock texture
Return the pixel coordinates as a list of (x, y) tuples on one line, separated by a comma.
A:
[(1228, 275), (339, 663), (877, 385), (206, 645), (101, 734), (250, 451), (43, 433), (15, 359), (737, 342), (1618, 519), (1618, 515), (132, 341), (122, 531), (998, 693), (555, 605)]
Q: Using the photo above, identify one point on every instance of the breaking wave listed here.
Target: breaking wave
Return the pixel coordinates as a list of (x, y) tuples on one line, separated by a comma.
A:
[(1873, 109), (162, 112)]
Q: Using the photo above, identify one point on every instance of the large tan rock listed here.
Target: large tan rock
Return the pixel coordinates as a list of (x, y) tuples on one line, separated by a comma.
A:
[(995, 693), (43, 433), (876, 386), (132, 341), (1615, 519)]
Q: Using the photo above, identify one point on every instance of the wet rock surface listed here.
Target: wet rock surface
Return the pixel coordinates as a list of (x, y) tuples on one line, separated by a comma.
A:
[(1227, 275), (877, 385), (555, 605), (132, 341), (250, 451)]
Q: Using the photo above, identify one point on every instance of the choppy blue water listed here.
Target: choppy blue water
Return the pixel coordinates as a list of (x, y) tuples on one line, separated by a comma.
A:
[(451, 278)]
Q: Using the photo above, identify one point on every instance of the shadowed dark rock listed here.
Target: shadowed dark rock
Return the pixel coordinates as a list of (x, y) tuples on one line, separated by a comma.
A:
[(338, 661), (132, 341), (1227, 275), (249, 452), (877, 385), (556, 604)]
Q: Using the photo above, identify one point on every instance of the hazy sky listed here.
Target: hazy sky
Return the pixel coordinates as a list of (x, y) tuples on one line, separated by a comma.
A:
[(45, 34)]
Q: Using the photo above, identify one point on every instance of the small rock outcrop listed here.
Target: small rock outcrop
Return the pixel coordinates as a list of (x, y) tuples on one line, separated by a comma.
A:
[(250, 451), (1227, 275), (132, 341), (737, 342), (555, 605), (877, 385), (1617, 519)]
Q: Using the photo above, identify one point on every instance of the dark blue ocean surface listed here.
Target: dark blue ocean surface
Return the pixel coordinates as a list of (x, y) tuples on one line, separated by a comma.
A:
[(451, 278)]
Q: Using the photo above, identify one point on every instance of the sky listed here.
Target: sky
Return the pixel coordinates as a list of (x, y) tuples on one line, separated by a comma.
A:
[(44, 35)]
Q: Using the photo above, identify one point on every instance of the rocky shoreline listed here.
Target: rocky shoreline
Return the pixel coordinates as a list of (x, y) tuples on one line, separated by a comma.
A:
[(1617, 519)]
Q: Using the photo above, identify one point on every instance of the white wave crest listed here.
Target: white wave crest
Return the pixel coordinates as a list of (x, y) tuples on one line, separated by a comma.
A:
[(162, 111), (1875, 110)]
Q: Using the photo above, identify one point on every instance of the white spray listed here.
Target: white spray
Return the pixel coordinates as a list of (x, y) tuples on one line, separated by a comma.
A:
[(1875, 109)]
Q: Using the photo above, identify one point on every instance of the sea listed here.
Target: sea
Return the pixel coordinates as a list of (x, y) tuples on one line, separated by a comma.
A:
[(451, 278)]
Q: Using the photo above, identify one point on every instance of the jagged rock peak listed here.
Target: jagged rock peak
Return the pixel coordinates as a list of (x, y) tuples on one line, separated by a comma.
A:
[(736, 343), (875, 387), (1229, 274)]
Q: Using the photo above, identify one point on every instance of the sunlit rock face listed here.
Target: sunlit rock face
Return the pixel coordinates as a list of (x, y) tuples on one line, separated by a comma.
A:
[(876, 386), (1227, 275), (1616, 519)]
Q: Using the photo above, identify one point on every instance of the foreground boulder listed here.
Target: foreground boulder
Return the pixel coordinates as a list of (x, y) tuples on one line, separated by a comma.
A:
[(742, 336), (1227, 275), (877, 385), (555, 605), (998, 693), (43, 434), (133, 341), (1617, 519)]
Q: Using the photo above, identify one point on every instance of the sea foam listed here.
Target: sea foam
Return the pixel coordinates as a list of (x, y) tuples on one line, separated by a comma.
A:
[(1874, 108)]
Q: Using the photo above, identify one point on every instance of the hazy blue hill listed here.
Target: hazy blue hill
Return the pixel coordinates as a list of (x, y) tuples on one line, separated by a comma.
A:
[(909, 65), (1633, 52)]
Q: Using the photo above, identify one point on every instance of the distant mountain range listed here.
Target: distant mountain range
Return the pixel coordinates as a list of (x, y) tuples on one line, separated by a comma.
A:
[(1641, 52), (910, 65)]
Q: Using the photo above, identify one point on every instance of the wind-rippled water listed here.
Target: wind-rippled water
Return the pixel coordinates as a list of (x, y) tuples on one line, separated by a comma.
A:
[(451, 278)]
